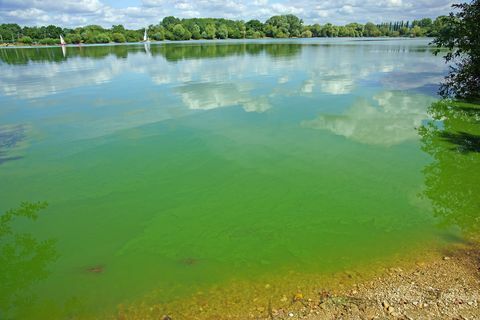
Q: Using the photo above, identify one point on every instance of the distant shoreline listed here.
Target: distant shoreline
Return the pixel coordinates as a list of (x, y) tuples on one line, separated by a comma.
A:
[(207, 41)]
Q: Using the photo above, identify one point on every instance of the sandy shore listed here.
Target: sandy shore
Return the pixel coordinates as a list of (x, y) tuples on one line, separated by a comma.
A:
[(441, 284)]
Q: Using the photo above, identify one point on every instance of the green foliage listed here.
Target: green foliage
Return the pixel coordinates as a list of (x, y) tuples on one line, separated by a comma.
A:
[(50, 41), (102, 38), (170, 22), (195, 31), (133, 36), (307, 34), (25, 40), (10, 32), (159, 36), (254, 25), (460, 34), (222, 32), (417, 31), (118, 29), (118, 37), (283, 26), (180, 33), (73, 38), (172, 28), (371, 30), (209, 32)]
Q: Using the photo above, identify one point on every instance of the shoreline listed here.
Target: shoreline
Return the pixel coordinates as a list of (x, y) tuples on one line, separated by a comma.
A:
[(443, 283), (19, 45)]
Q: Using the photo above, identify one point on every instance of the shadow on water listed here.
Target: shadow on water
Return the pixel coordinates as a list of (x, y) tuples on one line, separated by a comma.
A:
[(170, 51), (464, 141), (23, 260), (10, 138), (452, 179)]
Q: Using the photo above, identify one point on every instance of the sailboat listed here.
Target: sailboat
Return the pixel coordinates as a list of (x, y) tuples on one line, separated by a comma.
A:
[(145, 37), (62, 42)]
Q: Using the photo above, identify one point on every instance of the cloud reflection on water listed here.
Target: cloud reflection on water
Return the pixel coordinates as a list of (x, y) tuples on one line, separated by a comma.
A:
[(391, 119), (206, 76)]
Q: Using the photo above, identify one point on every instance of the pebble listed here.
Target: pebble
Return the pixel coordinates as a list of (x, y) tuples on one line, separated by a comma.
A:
[(446, 258), (290, 314), (298, 296)]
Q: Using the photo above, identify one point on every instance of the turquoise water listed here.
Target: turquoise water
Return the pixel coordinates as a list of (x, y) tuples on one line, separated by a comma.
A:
[(178, 166)]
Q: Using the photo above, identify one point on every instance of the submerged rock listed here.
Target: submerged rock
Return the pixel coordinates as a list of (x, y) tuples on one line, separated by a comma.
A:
[(96, 269), (189, 261)]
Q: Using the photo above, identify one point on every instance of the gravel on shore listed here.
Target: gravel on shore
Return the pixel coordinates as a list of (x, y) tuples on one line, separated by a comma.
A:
[(441, 284)]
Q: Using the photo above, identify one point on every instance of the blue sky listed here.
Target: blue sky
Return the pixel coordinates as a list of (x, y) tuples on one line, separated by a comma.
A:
[(138, 13)]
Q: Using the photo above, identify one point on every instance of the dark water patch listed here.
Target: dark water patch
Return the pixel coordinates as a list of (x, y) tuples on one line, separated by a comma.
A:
[(96, 269), (6, 159), (10, 138), (189, 261), (465, 142)]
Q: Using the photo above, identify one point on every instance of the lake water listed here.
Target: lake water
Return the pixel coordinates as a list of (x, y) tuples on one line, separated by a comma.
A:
[(178, 166)]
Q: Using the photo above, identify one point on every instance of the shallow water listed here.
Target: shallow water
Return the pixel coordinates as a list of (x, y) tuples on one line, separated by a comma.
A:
[(178, 166)]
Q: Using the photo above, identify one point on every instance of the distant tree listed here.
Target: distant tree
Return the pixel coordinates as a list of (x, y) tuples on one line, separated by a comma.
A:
[(172, 28), (118, 37), (307, 33), (50, 41), (316, 30), (254, 25), (404, 31), (25, 40), (371, 30), (329, 30), (159, 36), (295, 25), (133, 36), (283, 26), (10, 32), (170, 22), (118, 29), (53, 31), (222, 32), (73, 38), (101, 38), (357, 27), (180, 33), (416, 31), (195, 31), (461, 36), (210, 32)]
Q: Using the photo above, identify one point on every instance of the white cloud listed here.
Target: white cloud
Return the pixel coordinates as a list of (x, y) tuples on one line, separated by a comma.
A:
[(347, 9)]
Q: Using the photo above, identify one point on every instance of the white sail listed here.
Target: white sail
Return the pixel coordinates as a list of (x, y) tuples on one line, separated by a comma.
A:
[(145, 35), (62, 42)]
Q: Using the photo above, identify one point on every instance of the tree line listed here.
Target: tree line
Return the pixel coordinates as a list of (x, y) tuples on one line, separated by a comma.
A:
[(172, 28)]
